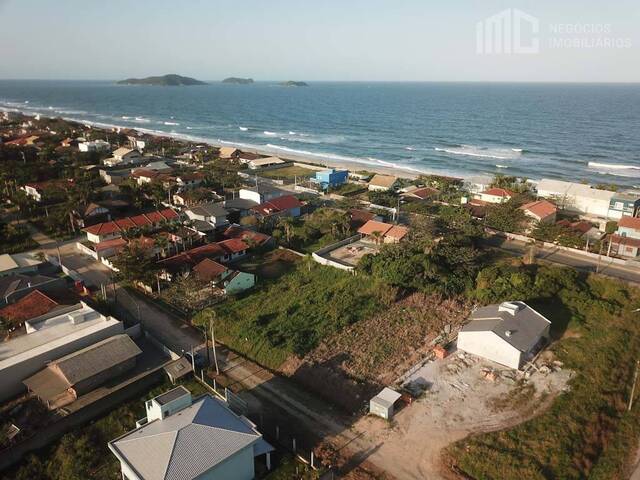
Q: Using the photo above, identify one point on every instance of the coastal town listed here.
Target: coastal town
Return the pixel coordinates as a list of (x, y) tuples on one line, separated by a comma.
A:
[(173, 309)]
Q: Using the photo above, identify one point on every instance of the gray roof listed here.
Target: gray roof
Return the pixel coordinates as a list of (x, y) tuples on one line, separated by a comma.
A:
[(12, 283), (240, 203), (210, 209), (186, 444), (521, 327), (96, 358), (202, 226)]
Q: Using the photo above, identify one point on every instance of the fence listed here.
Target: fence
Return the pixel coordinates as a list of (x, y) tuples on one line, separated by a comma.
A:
[(319, 255)]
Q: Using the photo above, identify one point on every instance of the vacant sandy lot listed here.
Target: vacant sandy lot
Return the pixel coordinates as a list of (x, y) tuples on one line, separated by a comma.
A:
[(460, 400)]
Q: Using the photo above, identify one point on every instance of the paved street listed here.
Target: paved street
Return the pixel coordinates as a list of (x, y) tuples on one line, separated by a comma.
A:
[(560, 257)]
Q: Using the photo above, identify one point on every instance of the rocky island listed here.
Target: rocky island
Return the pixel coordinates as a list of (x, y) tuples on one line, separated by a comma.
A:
[(171, 80), (292, 83), (238, 81)]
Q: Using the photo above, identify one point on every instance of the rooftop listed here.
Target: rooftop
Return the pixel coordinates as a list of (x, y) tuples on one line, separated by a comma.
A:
[(32, 305), (515, 322), (386, 181), (188, 443), (540, 208), (17, 260), (630, 222)]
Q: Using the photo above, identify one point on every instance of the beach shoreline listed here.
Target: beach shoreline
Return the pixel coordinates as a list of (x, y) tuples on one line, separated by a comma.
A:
[(325, 161)]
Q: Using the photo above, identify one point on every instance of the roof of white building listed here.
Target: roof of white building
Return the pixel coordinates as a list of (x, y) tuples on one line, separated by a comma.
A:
[(562, 188), (515, 322), (17, 260), (187, 443), (52, 330)]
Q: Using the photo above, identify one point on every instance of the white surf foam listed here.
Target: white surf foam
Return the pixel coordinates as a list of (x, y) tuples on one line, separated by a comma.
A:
[(269, 134), (244, 129), (615, 169), (501, 166), (171, 123), (481, 152)]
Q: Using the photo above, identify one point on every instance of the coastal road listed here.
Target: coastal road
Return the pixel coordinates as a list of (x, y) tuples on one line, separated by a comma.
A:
[(561, 257)]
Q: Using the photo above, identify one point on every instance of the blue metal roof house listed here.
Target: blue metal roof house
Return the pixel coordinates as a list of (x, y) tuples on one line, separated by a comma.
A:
[(331, 178)]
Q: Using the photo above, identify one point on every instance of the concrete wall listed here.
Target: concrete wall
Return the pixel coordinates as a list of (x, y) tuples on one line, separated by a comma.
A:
[(491, 346), (237, 467), (628, 232)]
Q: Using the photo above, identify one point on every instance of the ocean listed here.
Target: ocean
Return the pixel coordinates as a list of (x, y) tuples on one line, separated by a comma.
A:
[(579, 132)]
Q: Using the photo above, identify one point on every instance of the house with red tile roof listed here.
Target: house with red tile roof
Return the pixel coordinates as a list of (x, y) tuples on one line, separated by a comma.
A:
[(285, 206), (30, 306), (105, 231), (542, 211), (248, 236), (496, 195), (227, 280), (626, 241), (380, 232)]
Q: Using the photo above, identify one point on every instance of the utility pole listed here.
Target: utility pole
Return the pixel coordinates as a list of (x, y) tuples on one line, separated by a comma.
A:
[(599, 257), (213, 345), (633, 386)]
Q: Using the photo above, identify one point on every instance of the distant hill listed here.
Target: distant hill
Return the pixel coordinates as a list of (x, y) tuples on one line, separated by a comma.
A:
[(238, 81), (165, 80), (291, 83)]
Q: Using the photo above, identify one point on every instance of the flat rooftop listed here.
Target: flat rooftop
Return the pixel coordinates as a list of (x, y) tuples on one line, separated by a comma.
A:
[(53, 330), (352, 253), (172, 395)]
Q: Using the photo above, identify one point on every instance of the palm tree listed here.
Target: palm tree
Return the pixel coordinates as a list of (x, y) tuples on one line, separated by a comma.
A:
[(287, 223), (377, 237)]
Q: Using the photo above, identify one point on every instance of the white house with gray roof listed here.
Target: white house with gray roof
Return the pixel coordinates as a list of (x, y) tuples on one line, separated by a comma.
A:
[(185, 438), (509, 333)]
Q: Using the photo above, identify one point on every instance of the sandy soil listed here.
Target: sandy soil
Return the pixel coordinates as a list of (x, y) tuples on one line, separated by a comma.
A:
[(459, 401)]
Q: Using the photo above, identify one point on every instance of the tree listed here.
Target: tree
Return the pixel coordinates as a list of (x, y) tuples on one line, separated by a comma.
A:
[(506, 217), (287, 224), (135, 264)]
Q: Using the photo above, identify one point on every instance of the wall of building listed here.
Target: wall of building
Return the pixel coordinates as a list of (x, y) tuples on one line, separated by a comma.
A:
[(628, 232), (491, 346), (237, 467), (11, 376)]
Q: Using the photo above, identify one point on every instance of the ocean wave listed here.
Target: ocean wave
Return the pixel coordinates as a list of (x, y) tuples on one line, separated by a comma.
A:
[(269, 134), (482, 152), (616, 169), (244, 129), (170, 123), (501, 166), (141, 120)]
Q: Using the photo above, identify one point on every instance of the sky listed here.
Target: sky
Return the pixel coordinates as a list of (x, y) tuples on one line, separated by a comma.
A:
[(347, 40)]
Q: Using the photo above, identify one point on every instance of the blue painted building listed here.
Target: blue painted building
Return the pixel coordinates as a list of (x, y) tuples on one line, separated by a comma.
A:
[(331, 178)]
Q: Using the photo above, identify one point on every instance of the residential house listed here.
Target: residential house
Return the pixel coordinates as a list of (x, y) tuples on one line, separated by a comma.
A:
[(162, 446), (105, 231), (208, 217), (261, 193), (583, 229), (115, 176), (331, 178), (229, 153), (581, 198), (123, 156), (91, 214), (65, 379), (34, 304), (227, 280), (495, 195), (379, 232), (510, 333), (420, 193), (266, 163), (48, 337), (285, 206), (143, 175), (19, 263), (189, 180), (45, 191), (624, 204), (249, 237), (626, 241), (246, 157), (239, 207), (94, 146), (382, 183), (540, 211), (360, 217), (15, 286)]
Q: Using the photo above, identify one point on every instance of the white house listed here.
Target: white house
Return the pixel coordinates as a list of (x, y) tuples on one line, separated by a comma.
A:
[(260, 194), (185, 438), (495, 195), (266, 162), (94, 146), (509, 333), (123, 156), (51, 336), (580, 198)]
